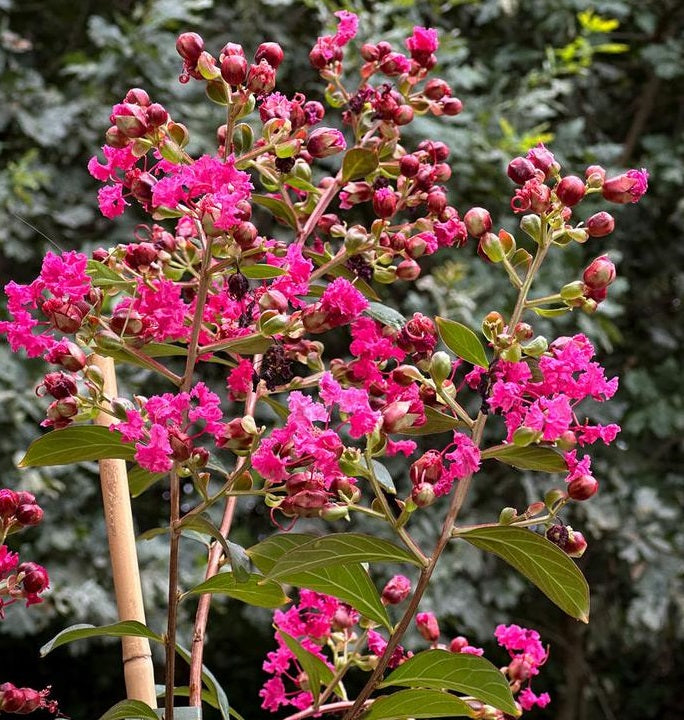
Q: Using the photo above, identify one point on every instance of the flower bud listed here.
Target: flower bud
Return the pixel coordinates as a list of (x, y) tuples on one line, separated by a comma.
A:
[(576, 544), (189, 46), (131, 120), (234, 69), (600, 224), (493, 325), (436, 89), (396, 590), (490, 246), (626, 188), (570, 190), (595, 175), (36, 578), (428, 626), (524, 436), (507, 516), (423, 495), (583, 487), (157, 115), (384, 202), (333, 511), (477, 221), (324, 142), (403, 115), (62, 409), (452, 106), (427, 469), (440, 367), (58, 384), (409, 165), (369, 52), (137, 96), (600, 273), (29, 514), (271, 52), (520, 170), (572, 290), (531, 225), (261, 78), (408, 270)]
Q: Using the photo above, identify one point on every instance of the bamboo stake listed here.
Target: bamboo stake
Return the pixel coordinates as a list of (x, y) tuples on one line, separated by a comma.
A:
[(137, 656)]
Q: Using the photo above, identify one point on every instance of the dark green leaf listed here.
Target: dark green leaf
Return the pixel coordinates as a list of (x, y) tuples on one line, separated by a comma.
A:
[(532, 457), (262, 272), (78, 443), (140, 480), (213, 686), (239, 561), (462, 341), (130, 710), (317, 671), (540, 561), (256, 591), (357, 163), (349, 583), (436, 422), (126, 628), (468, 674), (277, 207), (417, 704), (337, 549), (385, 315), (383, 476)]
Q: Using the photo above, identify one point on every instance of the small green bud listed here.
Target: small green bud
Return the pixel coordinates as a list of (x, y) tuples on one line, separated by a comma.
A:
[(440, 367), (512, 353), (525, 436), (491, 246), (554, 496), (531, 225), (243, 138), (386, 276), (572, 290), (507, 516), (537, 347)]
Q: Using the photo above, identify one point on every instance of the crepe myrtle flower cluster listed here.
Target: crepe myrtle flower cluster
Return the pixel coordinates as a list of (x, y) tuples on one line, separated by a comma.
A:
[(23, 700), (330, 630)]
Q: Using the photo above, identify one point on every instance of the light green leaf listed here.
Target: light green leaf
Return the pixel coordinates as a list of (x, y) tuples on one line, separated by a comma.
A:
[(277, 208), (357, 163), (300, 184), (129, 710), (468, 674), (262, 272), (103, 276), (337, 549), (382, 475), (78, 443), (462, 341), (436, 422), (256, 591), (532, 457), (126, 628), (417, 704), (386, 315), (540, 561), (349, 583), (551, 312)]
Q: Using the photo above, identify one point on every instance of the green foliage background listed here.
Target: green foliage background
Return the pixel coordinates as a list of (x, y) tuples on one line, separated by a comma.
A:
[(599, 82)]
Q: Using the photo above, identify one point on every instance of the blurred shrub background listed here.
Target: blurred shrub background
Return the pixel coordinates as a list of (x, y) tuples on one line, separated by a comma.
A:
[(599, 82)]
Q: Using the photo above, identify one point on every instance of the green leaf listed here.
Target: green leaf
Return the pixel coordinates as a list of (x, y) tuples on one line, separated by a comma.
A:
[(468, 674), (256, 591), (126, 628), (78, 443), (436, 422), (386, 315), (253, 344), (262, 272), (140, 480), (382, 475), (130, 709), (357, 163), (349, 583), (103, 276), (551, 312), (213, 686), (540, 561), (300, 184), (277, 208), (462, 341), (239, 562), (317, 671), (532, 457), (337, 549), (417, 704)]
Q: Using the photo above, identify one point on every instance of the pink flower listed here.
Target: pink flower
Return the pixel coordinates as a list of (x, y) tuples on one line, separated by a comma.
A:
[(110, 200), (155, 456), (347, 27), (117, 159), (528, 699), (422, 43), (65, 275), (239, 379)]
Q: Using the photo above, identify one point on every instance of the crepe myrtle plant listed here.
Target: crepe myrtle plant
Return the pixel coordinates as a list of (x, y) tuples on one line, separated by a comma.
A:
[(356, 207)]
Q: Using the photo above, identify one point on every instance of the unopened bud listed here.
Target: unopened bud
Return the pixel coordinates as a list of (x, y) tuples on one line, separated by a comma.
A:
[(440, 367), (423, 495), (492, 248), (396, 590), (520, 170), (583, 487), (428, 626), (600, 224), (600, 273), (570, 190), (477, 221), (572, 290)]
